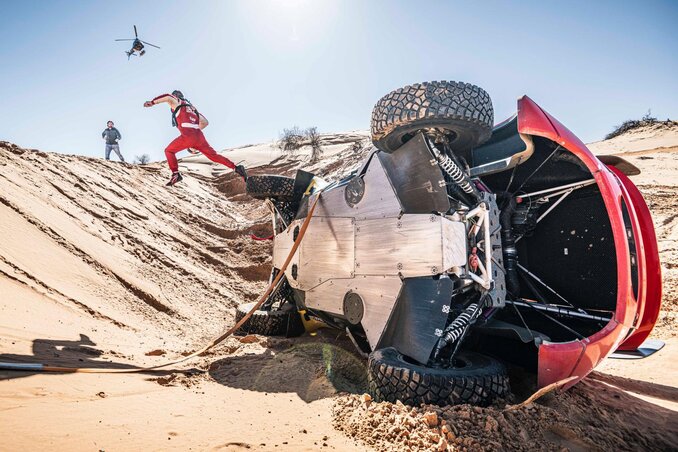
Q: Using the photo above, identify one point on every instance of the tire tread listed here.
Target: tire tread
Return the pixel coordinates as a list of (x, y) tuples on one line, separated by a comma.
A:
[(270, 186), (284, 322), (431, 103), (391, 378)]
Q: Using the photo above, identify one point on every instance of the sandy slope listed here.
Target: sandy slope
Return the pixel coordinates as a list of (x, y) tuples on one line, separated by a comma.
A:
[(102, 265)]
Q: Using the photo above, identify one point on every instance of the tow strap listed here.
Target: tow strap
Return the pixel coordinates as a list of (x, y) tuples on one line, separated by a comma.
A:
[(37, 367)]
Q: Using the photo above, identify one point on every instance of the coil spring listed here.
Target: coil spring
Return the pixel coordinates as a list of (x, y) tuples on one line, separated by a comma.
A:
[(451, 168), (456, 328)]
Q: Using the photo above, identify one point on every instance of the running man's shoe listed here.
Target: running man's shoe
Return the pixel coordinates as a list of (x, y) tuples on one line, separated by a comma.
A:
[(176, 177), (240, 171)]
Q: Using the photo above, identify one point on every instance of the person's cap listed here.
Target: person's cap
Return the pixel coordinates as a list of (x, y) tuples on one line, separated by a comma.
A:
[(178, 94)]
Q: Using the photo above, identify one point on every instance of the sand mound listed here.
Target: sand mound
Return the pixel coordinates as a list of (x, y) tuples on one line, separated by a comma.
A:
[(658, 136), (109, 243), (591, 416)]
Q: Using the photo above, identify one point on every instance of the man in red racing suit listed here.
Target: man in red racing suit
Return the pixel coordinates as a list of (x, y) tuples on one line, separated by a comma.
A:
[(190, 124)]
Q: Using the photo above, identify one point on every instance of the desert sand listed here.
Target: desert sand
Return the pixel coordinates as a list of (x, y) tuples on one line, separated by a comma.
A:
[(102, 266)]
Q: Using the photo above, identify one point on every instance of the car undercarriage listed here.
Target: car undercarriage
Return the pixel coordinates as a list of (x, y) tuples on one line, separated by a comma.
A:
[(459, 246)]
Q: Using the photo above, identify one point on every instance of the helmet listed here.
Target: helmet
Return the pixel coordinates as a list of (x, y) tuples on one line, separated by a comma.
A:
[(178, 94)]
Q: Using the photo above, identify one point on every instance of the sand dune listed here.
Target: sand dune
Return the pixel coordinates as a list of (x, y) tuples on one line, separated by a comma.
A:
[(101, 265)]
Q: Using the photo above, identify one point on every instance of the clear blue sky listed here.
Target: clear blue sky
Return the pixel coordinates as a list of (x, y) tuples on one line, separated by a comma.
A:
[(255, 67)]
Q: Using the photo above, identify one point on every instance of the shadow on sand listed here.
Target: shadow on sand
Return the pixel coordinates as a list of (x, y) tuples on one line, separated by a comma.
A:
[(61, 353), (312, 367)]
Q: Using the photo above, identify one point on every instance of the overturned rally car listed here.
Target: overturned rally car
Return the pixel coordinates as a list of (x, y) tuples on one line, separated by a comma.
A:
[(459, 246)]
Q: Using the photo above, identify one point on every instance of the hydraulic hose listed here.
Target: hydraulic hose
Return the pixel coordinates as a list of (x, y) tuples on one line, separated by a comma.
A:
[(38, 367)]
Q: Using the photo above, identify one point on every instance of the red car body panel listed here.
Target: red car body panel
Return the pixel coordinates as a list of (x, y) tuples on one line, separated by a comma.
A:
[(634, 318), (649, 311)]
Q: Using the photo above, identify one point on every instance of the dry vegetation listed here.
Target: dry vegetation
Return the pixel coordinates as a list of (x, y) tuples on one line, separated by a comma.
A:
[(631, 124), (294, 138)]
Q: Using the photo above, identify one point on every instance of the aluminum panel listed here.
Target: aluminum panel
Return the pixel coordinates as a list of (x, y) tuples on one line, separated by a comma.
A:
[(327, 251), (412, 245), (454, 244), (379, 293), (416, 177), (379, 201)]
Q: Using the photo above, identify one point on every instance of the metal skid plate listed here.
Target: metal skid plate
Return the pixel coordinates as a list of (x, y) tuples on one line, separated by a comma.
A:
[(327, 251), (335, 248), (454, 243), (378, 294), (361, 242), (378, 199), (416, 176), (414, 245)]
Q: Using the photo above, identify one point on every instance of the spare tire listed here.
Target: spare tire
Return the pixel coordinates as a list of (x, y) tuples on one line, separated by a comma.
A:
[(269, 186), (281, 322), (464, 111), (476, 379)]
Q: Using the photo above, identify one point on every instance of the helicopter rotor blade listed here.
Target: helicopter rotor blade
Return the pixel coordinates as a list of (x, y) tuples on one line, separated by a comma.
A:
[(124, 39), (148, 43), (135, 31)]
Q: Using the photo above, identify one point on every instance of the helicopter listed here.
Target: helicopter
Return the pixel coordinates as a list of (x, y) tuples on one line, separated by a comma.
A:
[(137, 45)]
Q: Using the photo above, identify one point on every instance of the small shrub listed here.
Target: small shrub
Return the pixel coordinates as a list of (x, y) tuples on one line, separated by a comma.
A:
[(313, 138), (142, 159), (648, 117), (290, 140)]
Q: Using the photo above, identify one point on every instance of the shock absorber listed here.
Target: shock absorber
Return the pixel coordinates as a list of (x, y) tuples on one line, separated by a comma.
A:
[(457, 327), (450, 167), (452, 170)]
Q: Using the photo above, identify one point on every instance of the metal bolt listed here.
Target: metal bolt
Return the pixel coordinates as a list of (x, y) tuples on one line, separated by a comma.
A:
[(432, 218), (434, 270), (399, 266)]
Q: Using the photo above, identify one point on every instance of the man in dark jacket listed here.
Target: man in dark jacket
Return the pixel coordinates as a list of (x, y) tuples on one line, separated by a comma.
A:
[(112, 135)]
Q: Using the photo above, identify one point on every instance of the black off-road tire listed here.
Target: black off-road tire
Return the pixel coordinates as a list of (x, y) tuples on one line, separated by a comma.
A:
[(268, 186), (283, 322), (393, 377), (463, 109)]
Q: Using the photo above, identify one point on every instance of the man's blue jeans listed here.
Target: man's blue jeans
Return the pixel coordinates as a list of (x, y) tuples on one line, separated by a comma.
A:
[(116, 149)]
